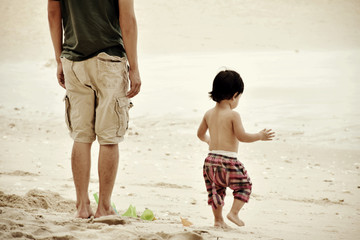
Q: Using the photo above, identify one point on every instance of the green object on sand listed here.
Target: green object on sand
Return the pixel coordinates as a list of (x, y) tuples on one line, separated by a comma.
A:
[(147, 215), (96, 196), (113, 206), (130, 212)]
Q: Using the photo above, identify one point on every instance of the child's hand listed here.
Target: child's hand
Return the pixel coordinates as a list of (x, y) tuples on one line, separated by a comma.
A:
[(266, 135)]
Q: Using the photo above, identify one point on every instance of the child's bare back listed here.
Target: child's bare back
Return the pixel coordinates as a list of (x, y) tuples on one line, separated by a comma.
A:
[(220, 124)]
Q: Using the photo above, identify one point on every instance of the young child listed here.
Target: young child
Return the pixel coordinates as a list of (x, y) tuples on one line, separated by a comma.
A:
[(221, 168)]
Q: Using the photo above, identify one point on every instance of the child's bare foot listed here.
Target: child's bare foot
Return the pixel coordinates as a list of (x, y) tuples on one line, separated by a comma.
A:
[(235, 219), (221, 224)]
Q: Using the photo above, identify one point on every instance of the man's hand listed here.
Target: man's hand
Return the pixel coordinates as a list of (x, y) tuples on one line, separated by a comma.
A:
[(135, 83), (60, 75)]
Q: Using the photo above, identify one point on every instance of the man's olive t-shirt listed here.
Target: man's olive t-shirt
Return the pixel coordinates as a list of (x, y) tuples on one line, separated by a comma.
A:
[(91, 27)]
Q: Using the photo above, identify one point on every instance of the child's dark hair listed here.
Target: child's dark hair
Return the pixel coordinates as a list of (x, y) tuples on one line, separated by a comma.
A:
[(226, 84)]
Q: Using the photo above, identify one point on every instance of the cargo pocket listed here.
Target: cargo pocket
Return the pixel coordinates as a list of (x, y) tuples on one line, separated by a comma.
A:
[(122, 111), (67, 113)]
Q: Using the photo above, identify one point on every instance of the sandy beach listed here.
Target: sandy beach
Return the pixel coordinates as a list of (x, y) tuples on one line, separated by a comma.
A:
[(300, 64)]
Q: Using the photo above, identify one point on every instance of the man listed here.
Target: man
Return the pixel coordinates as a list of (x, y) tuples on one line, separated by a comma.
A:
[(92, 67)]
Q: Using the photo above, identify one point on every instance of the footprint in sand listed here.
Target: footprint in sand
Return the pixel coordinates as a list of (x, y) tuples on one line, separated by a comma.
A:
[(63, 237), (19, 173), (111, 220), (21, 235), (181, 236)]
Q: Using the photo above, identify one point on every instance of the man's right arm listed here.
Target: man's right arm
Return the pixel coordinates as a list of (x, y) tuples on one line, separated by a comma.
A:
[(56, 31)]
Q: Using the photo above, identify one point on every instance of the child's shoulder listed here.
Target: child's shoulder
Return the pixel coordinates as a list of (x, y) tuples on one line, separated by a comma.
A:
[(209, 112), (235, 113), (230, 115), (227, 114)]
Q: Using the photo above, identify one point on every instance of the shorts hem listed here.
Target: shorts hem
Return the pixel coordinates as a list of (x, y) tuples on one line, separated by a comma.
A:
[(83, 140), (111, 142), (243, 199)]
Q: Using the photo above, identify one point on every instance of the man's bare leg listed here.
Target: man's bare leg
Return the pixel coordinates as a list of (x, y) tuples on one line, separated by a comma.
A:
[(233, 214), (218, 218), (108, 165), (81, 163)]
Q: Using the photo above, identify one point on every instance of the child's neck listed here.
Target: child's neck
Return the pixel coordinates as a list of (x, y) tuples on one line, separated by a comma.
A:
[(224, 104)]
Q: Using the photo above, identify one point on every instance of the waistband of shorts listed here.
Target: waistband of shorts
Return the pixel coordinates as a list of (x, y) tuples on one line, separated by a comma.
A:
[(224, 153)]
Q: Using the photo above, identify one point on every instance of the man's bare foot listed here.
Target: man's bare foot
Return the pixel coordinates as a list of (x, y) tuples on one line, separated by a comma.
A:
[(104, 212), (235, 219), (221, 224), (84, 211)]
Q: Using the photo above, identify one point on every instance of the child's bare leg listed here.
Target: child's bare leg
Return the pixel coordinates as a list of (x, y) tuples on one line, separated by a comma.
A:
[(218, 218), (233, 214)]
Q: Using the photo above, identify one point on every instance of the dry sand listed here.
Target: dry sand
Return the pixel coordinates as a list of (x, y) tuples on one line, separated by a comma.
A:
[(299, 61)]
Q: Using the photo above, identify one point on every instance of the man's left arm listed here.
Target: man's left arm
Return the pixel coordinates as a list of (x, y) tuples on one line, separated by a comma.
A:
[(128, 27)]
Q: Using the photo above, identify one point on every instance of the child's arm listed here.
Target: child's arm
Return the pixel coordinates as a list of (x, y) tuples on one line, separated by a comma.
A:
[(201, 133), (242, 136)]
